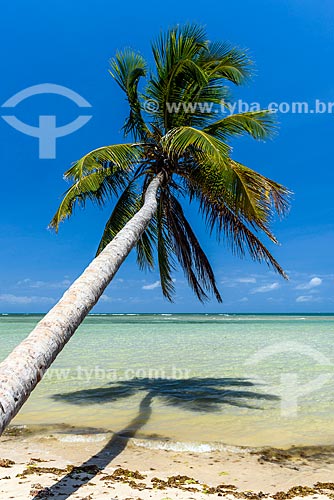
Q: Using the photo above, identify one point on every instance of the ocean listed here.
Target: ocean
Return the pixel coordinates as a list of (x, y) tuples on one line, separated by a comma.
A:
[(207, 379)]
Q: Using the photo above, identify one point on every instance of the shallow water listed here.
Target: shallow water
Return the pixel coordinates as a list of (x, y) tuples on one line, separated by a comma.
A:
[(243, 380)]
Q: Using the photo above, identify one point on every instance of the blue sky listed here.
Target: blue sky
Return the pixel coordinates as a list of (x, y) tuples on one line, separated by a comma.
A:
[(69, 44)]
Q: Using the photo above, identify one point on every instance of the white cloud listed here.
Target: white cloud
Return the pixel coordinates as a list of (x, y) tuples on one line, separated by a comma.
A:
[(307, 298), (151, 286), (314, 282), (228, 282), (234, 282), (246, 280), (244, 299), (105, 298), (266, 288), (28, 283), (9, 298)]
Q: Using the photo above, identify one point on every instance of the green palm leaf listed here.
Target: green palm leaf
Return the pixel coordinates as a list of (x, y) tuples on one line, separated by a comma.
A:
[(248, 194), (190, 254), (179, 140), (271, 195), (122, 156), (127, 68), (258, 124), (146, 246), (165, 252), (178, 43), (222, 61), (170, 91), (237, 234), (96, 187), (176, 55)]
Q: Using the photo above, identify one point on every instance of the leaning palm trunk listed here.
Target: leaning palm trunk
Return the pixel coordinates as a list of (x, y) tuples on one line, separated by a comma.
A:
[(25, 366)]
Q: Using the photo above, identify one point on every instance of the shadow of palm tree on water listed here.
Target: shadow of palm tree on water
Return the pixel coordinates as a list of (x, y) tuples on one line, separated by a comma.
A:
[(203, 395)]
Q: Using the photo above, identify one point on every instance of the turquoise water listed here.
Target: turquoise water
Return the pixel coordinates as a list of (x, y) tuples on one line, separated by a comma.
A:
[(190, 378)]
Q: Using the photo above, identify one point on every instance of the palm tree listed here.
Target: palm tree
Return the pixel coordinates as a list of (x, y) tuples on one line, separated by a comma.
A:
[(181, 151)]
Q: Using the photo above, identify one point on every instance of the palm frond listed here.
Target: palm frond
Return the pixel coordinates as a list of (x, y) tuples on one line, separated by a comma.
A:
[(242, 240), (222, 61), (190, 254), (146, 245), (247, 193), (178, 140), (183, 73), (190, 70), (175, 56), (259, 124), (165, 251), (271, 195), (127, 68), (96, 187), (177, 43), (122, 156)]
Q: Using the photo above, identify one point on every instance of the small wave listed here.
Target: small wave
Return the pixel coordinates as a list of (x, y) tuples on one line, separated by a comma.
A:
[(81, 438), (179, 446), (68, 434), (78, 435)]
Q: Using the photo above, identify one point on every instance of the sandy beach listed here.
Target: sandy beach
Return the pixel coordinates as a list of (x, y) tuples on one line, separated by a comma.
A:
[(105, 466)]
